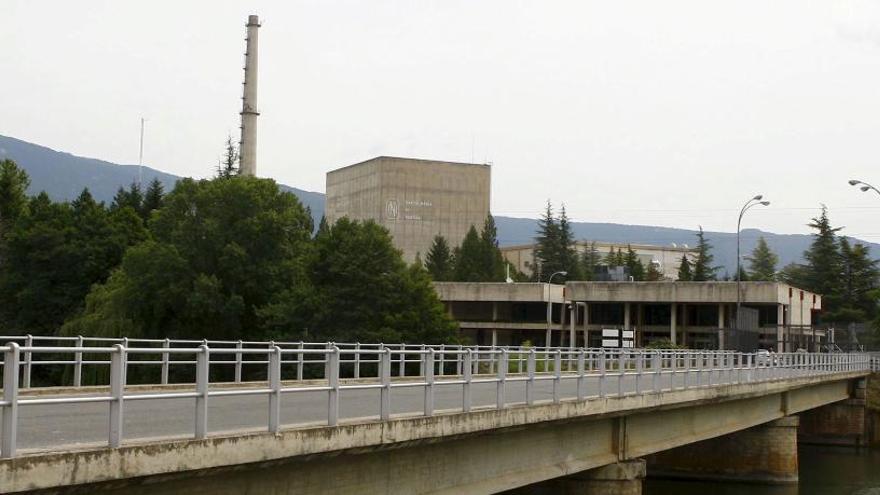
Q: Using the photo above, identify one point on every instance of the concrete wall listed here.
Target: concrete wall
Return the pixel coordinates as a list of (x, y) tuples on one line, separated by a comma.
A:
[(479, 452), (414, 199), (488, 292)]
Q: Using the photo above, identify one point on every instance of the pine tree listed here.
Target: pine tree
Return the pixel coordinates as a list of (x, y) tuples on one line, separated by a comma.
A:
[(132, 198), (546, 245), (823, 265), (493, 260), (611, 258), (859, 283), (439, 261), (227, 167), (703, 269), (13, 194), (634, 264), (152, 198), (685, 274), (762, 263), (469, 258), (568, 256), (590, 259)]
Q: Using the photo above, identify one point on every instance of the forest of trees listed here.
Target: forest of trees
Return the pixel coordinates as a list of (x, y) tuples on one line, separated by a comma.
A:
[(230, 257), (235, 256)]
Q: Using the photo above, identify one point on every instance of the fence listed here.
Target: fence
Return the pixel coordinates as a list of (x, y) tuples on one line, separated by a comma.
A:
[(595, 372)]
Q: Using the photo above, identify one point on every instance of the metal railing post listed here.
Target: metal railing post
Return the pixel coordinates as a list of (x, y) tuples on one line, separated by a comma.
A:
[(581, 374), (530, 383), (77, 366), (202, 372), (640, 367), (557, 374), (238, 346), (333, 382), (442, 365), (117, 392), (621, 369), (468, 376), (422, 357), (299, 362), (502, 378), (357, 360), (385, 391), (458, 358), (602, 373), (657, 364), (9, 431), (165, 361), (27, 356), (402, 371), (275, 385), (428, 369)]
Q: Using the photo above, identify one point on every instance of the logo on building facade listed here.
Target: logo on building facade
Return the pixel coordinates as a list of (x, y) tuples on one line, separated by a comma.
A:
[(392, 210)]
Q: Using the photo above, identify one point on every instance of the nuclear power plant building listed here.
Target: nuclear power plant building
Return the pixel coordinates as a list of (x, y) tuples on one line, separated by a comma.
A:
[(414, 199)]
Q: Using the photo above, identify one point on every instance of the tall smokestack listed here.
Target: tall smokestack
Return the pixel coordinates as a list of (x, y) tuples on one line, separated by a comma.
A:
[(248, 143)]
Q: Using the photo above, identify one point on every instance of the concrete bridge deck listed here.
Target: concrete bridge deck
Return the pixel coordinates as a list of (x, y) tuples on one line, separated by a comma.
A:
[(418, 434)]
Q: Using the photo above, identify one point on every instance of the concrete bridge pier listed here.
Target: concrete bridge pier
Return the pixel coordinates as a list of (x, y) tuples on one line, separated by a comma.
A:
[(765, 453), (849, 422), (622, 478)]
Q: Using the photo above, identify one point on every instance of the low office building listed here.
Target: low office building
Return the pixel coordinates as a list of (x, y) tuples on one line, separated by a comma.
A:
[(667, 259), (491, 313), (697, 315)]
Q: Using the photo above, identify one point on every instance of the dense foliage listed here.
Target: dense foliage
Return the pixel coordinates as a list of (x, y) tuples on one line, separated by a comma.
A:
[(227, 258)]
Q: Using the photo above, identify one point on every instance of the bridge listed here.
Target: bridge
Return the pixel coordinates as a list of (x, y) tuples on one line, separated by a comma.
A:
[(146, 416)]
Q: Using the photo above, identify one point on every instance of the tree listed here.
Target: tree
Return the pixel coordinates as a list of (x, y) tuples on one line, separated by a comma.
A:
[(13, 195), (858, 284), (56, 252), (762, 262), (590, 260), (634, 264), (611, 259), (469, 259), (227, 167), (568, 255), (685, 274), (132, 198), (153, 198), (492, 259), (703, 269), (546, 245), (221, 252), (439, 261), (823, 263), (362, 291)]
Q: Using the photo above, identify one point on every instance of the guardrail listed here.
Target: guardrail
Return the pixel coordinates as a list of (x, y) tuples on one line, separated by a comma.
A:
[(608, 371)]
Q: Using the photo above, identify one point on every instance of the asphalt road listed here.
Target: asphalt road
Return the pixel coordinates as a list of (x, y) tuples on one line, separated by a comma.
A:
[(58, 426)]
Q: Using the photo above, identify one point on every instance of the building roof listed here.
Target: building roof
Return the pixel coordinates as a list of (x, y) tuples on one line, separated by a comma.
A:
[(681, 249), (499, 291), (423, 161), (691, 292)]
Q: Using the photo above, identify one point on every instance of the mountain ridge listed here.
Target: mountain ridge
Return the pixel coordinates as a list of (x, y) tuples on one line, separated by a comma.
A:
[(63, 176)]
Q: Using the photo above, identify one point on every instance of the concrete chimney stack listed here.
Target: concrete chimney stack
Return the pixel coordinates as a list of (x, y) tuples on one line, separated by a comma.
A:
[(248, 143)]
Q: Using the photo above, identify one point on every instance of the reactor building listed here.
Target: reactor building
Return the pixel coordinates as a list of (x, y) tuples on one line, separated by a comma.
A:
[(414, 199)]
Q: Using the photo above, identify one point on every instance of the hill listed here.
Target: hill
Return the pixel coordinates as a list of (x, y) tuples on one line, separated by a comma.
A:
[(63, 176)]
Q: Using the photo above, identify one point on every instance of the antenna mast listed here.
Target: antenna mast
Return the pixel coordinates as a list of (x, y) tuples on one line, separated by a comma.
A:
[(141, 156)]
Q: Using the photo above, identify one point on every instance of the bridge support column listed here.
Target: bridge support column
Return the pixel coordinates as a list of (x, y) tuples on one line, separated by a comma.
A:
[(764, 454), (622, 478), (849, 422)]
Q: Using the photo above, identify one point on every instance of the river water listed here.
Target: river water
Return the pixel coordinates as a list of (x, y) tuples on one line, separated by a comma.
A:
[(822, 471)]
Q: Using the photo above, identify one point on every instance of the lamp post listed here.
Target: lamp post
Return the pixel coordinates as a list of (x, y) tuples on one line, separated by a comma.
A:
[(757, 200), (550, 305), (865, 187)]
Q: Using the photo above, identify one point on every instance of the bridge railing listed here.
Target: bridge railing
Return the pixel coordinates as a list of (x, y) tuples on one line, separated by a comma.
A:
[(518, 375)]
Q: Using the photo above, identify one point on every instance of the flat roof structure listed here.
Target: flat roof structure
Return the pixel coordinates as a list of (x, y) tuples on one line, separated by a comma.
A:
[(693, 314)]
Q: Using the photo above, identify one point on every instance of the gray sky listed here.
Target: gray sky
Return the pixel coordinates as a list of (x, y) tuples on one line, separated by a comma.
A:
[(659, 113)]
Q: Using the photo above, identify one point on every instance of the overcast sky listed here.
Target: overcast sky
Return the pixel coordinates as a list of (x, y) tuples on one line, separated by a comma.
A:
[(658, 113)]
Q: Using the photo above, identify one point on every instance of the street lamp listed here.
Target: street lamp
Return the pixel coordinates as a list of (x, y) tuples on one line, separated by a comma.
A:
[(550, 306), (865, 187), (757, 200)]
